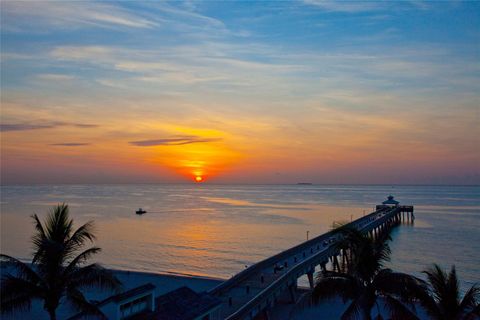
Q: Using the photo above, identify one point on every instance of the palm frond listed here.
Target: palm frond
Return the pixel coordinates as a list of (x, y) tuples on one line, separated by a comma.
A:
[(427, 301), (80, 236), (382, 252), (330, 274), (78, 302), (367, 262), (38, 238), (38, 225), (331, 286), (51, 260), (81, 258), (452, 287), (58, 224), (360, 307), (470, 299), (354, 311), (21, 269), (403, 285), (437, 279), (397, 310), (19, 303), (17, 293), (94, 276)]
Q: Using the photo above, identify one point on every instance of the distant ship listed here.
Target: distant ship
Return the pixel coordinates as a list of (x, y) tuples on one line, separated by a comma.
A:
[(304, 184), (140, 211)]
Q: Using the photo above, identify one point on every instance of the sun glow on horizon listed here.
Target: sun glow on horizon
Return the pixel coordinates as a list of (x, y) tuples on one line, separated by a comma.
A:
[(200, 153)]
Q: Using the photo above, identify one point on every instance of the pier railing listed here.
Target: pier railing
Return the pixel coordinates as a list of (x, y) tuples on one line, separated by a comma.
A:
[(267, 296)]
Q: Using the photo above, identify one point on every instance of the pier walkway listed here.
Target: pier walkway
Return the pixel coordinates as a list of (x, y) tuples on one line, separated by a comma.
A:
[(251, 293)]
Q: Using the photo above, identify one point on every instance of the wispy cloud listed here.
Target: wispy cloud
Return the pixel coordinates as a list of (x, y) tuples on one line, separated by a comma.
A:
[(420, 4), (6, 56), (51, 16), (24, 127), (181, 64), (70, 144), (38, 126), (100, 53), (354, 7), (181, 140), (55, 77), (82, 125), (182, 15), (346, 6), (18, 15)]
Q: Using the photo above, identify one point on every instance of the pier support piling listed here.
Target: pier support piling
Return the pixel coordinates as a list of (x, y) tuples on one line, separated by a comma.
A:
[(292, 290), (310, 279)]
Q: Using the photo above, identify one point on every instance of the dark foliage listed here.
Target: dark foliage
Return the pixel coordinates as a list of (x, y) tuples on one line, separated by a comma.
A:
[(58, 271), (442, 300), (364, 279)]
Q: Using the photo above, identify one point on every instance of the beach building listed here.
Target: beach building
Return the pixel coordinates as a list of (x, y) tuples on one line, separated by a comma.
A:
[(126, 305), (186, 304), (140, 304)]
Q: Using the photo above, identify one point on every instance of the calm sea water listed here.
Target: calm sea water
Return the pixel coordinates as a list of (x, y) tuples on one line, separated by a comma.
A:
[(216, 230)]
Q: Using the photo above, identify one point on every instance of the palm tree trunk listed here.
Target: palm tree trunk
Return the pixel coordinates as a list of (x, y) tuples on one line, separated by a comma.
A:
[(348, 257), (53, 314)]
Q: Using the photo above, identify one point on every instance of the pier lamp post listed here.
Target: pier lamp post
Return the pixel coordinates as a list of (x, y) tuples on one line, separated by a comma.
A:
[(307, 234)]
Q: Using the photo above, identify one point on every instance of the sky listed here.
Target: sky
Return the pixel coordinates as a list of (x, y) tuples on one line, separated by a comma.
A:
[(240, 92)]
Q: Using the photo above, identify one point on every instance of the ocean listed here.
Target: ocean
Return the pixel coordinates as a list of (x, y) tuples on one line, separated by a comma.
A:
[(217, 230)]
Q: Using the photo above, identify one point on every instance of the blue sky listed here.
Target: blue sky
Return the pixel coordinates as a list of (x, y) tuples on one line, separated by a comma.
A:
[(313, 88)]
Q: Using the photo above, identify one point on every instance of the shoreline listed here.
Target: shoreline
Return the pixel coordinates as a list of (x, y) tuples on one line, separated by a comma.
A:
[(167, 274)]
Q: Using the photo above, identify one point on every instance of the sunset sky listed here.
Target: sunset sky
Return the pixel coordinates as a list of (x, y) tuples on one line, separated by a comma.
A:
[(240, 92)]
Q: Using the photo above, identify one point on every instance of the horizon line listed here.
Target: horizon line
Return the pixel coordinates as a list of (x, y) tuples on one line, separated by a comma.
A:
[(246, 184)]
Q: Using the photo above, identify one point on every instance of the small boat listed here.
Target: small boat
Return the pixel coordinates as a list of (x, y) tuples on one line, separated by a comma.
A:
[(140, 211), (304, 183)]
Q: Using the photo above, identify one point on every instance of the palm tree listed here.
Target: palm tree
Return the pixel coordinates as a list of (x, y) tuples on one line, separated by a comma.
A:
[(365, 280), (57, 272), (441, 298), (350, 242)]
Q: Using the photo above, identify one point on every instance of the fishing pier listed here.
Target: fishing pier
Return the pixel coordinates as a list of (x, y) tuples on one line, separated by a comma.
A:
[(253, 292)]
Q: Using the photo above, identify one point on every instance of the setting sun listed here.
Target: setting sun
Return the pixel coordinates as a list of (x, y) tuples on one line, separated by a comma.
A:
[(198, 179)]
